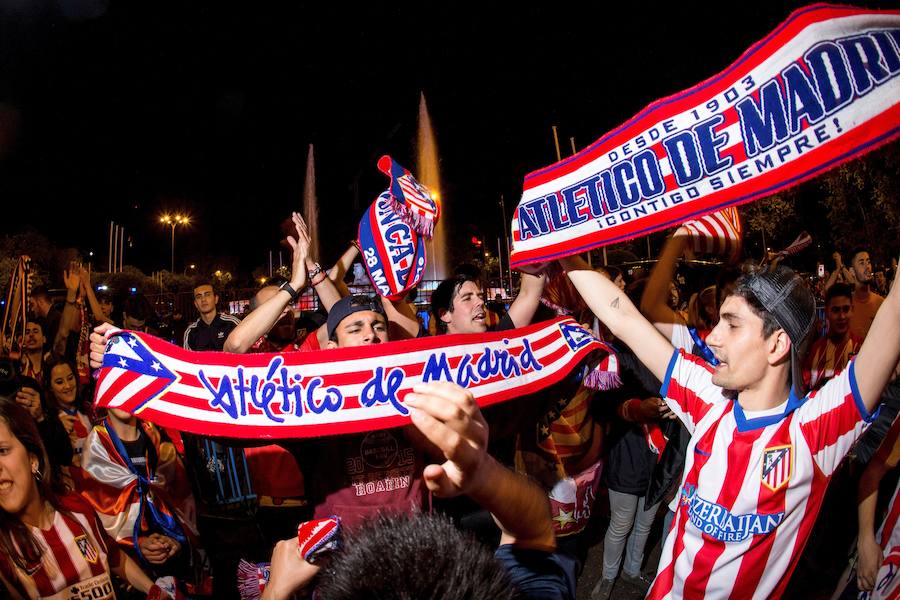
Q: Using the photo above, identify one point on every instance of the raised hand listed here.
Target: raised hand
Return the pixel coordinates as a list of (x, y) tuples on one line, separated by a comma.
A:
[(449, 417), (300, 246), (98, 343), (85, 276), (72, 278)]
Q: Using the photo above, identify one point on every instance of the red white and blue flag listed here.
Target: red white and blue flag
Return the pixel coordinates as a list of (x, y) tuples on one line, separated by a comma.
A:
[(411, 199), (821, 89), (717, 233), (345, 390)]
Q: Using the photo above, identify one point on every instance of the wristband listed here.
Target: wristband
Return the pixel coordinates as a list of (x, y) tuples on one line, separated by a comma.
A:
[(286, 286), (316, 271)]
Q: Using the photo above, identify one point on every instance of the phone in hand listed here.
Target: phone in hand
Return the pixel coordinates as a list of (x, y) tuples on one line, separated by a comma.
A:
[(821, 270)]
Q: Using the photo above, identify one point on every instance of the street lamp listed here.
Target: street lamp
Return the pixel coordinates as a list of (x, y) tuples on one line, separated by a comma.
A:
[(174, 221)]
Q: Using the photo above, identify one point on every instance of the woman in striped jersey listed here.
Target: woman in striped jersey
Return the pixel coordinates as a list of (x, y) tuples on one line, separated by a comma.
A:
[(51, 546)]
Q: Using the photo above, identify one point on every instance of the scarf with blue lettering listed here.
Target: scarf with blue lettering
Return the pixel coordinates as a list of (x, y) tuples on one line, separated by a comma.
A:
[(328, 392), (393, 231), (821, 89)]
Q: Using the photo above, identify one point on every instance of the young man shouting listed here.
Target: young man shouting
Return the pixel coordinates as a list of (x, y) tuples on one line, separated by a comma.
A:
[(761, 451)]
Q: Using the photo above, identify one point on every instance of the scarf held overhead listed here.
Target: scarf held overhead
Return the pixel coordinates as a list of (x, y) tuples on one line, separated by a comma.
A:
[(818, 91), (346, 390)]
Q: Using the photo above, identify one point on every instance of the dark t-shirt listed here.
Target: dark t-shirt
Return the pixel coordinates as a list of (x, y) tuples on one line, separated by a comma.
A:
[(360, 475), (630, 463), (140, 451)]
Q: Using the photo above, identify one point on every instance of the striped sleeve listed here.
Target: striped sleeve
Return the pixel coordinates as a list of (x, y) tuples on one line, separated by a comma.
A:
[(187, 335), (688, 388), (833, 418)]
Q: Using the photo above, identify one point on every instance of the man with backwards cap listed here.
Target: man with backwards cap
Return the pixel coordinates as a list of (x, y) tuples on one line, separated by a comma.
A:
[(762, 451)]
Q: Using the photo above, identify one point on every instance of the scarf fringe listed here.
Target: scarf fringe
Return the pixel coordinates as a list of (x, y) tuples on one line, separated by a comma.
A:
[(421, 224), (252, 579)]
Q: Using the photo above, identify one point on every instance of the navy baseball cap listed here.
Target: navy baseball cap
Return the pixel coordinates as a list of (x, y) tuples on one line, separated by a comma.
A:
[(348, 305)]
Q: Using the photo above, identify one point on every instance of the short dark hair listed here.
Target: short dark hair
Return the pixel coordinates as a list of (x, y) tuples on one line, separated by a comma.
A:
[(254, 300), (857, 250), (41, 291), (202, 284), (383, 559), (770, 324), (725, 277), (39, 322), (442, 297), (839, 290)]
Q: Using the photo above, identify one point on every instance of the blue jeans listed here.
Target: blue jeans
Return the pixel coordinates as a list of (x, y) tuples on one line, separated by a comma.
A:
[(628, 522)]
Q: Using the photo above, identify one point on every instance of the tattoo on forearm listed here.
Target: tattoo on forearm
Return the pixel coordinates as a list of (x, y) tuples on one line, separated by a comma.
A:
[(614, 303)]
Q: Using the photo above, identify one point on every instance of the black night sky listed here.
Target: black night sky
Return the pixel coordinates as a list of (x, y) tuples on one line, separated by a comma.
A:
[(115, 110)]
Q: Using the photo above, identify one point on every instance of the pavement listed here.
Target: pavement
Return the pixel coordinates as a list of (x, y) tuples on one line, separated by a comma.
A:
[(593, 565)]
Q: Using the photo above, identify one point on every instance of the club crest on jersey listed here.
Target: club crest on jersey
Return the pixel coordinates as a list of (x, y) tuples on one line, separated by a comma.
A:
[(87, 549), (777, 466)]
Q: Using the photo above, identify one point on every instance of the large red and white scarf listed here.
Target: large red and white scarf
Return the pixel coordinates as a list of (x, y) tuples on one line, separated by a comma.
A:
[(345, 390), (819, 90)]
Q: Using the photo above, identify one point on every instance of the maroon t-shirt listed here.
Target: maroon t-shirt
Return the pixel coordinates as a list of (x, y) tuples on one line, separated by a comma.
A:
[(358, 476)]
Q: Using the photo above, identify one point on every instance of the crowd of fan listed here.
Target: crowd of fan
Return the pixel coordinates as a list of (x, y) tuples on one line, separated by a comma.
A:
[(82, 487)]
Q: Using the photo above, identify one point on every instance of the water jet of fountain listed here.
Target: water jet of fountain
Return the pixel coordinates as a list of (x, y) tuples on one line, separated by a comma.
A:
[(311, 205), (428, 173)]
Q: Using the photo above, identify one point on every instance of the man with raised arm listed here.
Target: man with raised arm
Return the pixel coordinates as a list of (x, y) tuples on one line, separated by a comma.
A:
[(458, 304), (761, 451), (389, 551)]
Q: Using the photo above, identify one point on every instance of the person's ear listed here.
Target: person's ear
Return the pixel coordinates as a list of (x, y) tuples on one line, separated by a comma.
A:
[(779, 346), (331, 345), (445, 315)]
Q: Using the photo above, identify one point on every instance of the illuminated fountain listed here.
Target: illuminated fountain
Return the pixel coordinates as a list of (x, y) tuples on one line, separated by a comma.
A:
[(311, 205), (427, 173)]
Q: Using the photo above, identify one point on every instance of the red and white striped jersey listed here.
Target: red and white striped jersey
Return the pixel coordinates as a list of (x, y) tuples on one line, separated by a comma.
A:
[(753, 482), (74, 564), (887, 580)]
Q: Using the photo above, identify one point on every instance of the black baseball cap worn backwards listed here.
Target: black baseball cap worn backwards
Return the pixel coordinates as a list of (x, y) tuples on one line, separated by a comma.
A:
[(784, 295), (348, 305)]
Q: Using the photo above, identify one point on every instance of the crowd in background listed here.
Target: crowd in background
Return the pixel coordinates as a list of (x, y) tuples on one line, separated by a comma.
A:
[(148, 502)]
